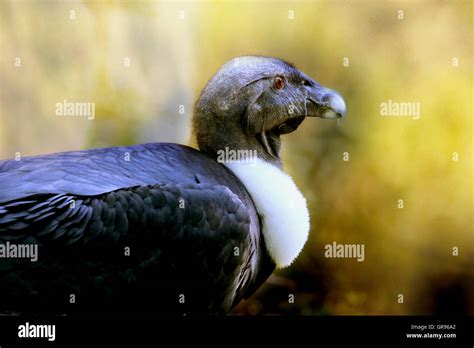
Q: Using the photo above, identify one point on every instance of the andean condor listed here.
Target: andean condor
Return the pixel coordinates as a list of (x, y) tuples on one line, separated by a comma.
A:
[(164, 227)]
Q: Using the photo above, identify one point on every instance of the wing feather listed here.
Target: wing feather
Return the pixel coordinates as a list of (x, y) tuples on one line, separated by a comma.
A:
[(183, 235)]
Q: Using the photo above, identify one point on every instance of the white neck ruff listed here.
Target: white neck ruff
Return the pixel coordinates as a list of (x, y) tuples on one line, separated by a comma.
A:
[(280, 205)]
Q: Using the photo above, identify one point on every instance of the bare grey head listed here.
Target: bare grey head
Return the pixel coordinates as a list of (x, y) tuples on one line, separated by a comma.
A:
[(251, 101)]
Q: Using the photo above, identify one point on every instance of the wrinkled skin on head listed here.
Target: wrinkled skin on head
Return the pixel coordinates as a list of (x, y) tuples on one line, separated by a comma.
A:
[(251, 101)]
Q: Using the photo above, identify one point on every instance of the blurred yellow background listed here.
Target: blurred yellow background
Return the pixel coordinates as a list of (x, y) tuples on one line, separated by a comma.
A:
[(144, 63)]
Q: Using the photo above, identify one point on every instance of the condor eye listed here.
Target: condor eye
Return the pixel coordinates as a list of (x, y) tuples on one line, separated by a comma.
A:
[(278, 83)]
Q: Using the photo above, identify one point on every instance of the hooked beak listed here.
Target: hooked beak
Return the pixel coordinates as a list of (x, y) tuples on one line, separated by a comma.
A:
[(325, 103)]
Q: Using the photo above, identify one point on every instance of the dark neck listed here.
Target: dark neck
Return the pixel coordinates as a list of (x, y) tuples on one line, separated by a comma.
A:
[(217, 133)]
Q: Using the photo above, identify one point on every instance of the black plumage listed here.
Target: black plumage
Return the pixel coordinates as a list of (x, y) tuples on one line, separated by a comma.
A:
[(193, 234)]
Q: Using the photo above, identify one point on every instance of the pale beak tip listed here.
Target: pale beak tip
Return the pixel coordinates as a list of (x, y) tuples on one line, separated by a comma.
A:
[(336, 105)]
